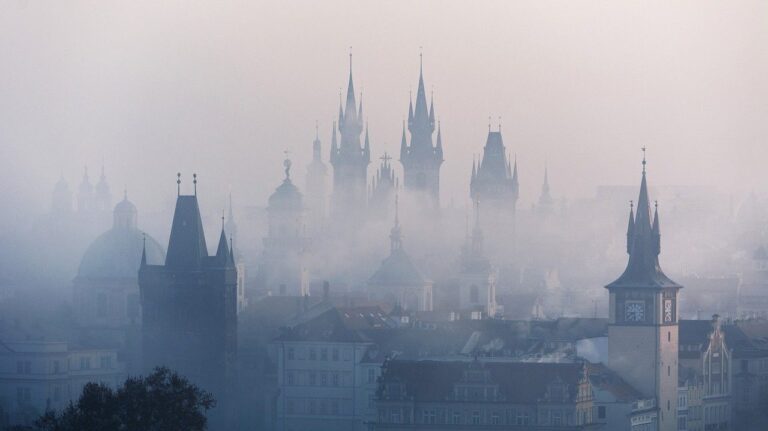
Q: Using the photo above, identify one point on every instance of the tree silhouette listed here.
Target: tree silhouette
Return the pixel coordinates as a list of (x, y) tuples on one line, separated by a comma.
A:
[(161, 401)]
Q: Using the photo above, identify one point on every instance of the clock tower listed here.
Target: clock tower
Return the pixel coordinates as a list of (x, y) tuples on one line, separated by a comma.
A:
[(643, 324)]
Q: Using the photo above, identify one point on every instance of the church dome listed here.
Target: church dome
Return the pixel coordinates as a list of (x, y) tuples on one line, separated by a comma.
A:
[(286, 196), (397, 270), (117, 252)]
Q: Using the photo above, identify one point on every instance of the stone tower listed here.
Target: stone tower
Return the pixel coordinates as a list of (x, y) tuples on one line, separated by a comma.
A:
[(477, 279), (421, 159), (350, 161), (494, 179), (643, 321), (383, 188), (282, 270), (189, 304), (316, 188)]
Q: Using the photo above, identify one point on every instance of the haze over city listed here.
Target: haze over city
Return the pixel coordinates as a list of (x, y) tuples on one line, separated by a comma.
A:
[(384, 215)]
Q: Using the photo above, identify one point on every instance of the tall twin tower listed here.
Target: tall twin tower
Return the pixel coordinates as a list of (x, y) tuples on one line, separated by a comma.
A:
[(351, 154)]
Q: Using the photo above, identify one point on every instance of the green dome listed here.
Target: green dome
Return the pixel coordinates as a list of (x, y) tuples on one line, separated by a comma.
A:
[(286, 196)]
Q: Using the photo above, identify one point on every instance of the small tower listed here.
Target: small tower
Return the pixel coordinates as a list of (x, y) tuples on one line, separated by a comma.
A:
[(350, 162), (383, 189), (85, 198), (317, 197), (102, 197), (398, 280), (61, 200), (477, 279), (643, 319), (421, 159), (282, 270), (546, 204)]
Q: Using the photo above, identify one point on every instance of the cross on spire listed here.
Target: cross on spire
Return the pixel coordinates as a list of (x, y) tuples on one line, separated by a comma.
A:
[(178, 183), (644, 162), (194, 182)]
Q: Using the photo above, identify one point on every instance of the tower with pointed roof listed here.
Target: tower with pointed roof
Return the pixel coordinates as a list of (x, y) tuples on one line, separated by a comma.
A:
[(317, 194), (477, 279), (282, 269), (383, 188), (421, 159), (546, 204), (189, 304), (398, 281), (85, 195), (102, 196), (494, 177), (643, 316), (350, 160)]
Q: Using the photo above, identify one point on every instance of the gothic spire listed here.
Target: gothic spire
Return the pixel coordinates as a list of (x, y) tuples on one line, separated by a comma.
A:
[(403, 145), (367, 146), (630, 228), (643, 243), (395, 235), (439, 144)]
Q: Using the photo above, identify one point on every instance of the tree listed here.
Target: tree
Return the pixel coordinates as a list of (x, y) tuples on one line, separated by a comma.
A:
[(161, 401)]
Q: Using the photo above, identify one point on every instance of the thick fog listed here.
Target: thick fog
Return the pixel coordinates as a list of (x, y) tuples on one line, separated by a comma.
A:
[(149, 89)]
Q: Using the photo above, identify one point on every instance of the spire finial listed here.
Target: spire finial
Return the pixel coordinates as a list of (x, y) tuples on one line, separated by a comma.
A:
[(631, 204), (194, 182), (656, 205), (317, 130), (489, 124), (644, 162), (178, 183), (350, 60), (499, 123), (287, 165), (125, 193), (421, 59), (222, 219)]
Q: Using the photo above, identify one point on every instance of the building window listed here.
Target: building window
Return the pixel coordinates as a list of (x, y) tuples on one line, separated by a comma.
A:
[(476, 417), (311, 409), (312, 354), (56, 367), (335, 379), (601, 412), (312, 378), (323, 379), (24, 367), (23, 396), (371, 375), (557, 417), (334, 407), (371, 401), (669, 370), (291, 353), (85, 363), (335, 353), (290, 378), (324, 354), (106, 362), (495, 419), (668, 404), (456, 417)]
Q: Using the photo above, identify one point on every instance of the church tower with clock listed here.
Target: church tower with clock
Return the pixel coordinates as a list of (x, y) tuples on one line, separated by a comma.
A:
[(643, 324)]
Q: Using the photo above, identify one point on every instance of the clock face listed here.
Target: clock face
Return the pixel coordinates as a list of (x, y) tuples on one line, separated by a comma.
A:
[(634, 311), (668, 311)]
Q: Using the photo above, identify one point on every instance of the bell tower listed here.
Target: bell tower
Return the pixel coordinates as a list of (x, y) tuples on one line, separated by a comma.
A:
[(642, 320)]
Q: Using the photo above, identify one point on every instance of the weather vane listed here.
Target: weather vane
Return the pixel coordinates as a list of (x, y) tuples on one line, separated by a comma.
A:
[(287, 164)]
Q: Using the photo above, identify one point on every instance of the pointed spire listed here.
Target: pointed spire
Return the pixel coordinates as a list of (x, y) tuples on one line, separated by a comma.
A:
[(178, 184), (334, 143), (360, 111), (410, 109), (349, 108), (403, 145), (194, 182), (222, 251), (231, 251), (656, 231), (474, 168), (367, 146), (432, 111)]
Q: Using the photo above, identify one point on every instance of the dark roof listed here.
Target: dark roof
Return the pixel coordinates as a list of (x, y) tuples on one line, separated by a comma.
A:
[(643, 246), (695, 332), (519, 382), (117, 254), (603, 378), (397, 269), (346, 325), (186, 246)]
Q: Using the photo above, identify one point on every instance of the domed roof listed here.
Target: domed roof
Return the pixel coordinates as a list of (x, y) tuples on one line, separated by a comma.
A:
[(397, 270), (117, 254), (286, 196), (125, 206)]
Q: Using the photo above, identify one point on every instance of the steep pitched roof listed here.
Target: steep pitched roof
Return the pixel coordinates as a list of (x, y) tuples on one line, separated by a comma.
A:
[(186, 246), (397, 269)]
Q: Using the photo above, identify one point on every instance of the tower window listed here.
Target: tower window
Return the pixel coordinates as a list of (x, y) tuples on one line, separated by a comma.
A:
[(669, 370), (669, 336)]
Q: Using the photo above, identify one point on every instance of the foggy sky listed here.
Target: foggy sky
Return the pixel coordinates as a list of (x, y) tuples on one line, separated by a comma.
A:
[(223, 88)]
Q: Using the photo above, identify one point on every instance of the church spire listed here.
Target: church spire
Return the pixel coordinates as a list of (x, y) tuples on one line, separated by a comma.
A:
[(403, 145), (643, 244), (630, 227), (439, 144)]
